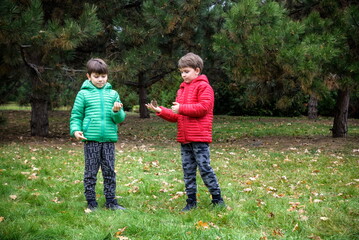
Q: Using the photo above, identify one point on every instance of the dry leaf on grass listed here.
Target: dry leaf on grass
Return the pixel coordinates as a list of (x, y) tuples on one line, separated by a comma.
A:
[(120, 232), (296, 227), (278, 232), (202, 225), (87, 210), (314, 237), (13, 197)]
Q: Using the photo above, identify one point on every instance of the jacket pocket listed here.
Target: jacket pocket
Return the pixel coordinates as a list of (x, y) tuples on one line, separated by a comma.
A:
[(87, 125)]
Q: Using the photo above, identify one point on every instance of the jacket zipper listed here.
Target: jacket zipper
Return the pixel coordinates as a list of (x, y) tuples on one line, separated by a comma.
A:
[(185, 93), (102, 114)]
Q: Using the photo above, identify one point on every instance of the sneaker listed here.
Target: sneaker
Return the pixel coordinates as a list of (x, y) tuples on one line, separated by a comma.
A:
[(218, 203), (92, 205), (114, 206), (190, 205)]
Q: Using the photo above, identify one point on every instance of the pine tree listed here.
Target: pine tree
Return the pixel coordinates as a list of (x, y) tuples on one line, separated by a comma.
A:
[(153, 35), (42, 37), (250, 43), (276, 58), (335, 49)]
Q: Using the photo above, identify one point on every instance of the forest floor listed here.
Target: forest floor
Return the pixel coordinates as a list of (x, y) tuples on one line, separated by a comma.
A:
[(281, 178)]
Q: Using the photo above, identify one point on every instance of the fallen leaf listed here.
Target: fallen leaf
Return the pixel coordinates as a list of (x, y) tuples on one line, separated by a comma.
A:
[(314, 237), (123, 238), (32, 176), (324, 218), (177, 195), (87, 210), (56, 200), (13, 197), (202, 225), (213, 225), (260, 202), (2, 219), (278, 232), (134, 189), (296, 227), (119, 232)]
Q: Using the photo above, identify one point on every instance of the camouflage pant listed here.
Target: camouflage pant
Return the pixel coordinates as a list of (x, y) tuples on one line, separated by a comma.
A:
[(99, 155), (193, 155)]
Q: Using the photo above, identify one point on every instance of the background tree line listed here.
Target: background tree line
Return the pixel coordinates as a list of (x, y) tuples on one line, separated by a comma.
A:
[(277, 58)]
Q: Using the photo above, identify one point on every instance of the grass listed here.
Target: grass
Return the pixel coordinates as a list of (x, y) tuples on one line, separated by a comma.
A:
[(16, 106), (282, 178)]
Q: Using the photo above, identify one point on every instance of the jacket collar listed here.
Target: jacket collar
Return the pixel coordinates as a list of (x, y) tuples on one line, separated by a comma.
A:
[(88, 85), (200, 78)]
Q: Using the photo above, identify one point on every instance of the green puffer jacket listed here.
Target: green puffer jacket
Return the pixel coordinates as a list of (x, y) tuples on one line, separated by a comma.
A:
[(92, 113)]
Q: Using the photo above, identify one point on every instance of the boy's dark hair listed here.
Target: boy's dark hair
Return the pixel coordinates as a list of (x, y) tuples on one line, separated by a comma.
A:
[(191, 60), (96, 65)]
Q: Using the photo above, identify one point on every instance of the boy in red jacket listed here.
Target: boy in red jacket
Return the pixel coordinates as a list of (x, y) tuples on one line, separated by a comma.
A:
[(193, 112)]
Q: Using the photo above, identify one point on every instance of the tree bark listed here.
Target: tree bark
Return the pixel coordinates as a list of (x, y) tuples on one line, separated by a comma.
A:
[(313, 107), (39, 118), (142, 91), (340, 125), (39, 123), (40, 92)]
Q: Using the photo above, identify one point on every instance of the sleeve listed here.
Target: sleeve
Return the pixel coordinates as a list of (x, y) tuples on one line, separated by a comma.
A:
[(118, 117), (204, 105), (77, 114), (168, 115)]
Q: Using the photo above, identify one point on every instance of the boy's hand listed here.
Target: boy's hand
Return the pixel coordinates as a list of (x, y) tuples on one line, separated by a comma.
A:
[(79, 135), (150, 106), (175, 107), (117, 106)]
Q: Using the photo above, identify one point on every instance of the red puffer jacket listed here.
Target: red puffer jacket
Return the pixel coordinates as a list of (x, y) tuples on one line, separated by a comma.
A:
[(194, 121)]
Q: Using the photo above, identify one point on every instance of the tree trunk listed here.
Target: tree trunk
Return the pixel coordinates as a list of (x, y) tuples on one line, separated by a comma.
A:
[(313, 107), (39, 117), (144, 113), (340, 125), (40, 93), (39, 123)]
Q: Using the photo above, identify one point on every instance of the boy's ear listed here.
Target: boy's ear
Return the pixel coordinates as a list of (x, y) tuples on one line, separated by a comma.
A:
[(88, 76), (198, 70)]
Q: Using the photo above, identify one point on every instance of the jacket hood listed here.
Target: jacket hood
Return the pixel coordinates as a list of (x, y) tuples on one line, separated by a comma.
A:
[(200, 78), (88, 85)]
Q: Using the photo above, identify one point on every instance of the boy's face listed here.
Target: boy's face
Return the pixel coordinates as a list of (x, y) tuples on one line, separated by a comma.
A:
[(99, 80), (188, 74)]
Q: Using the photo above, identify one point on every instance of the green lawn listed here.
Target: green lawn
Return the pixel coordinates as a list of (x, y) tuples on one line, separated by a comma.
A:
[(282, 178)]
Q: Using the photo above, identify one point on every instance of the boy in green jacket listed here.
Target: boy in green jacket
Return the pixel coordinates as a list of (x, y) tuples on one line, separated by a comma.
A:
[(94, 117)]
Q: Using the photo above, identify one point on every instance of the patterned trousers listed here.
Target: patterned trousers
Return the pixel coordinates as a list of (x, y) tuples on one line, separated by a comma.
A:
[(197, 154), (98, 155)]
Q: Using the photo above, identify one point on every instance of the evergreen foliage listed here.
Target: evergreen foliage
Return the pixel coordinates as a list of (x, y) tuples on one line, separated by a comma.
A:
[(251, 41), (261, 57), (152, 36), (43, 45)]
